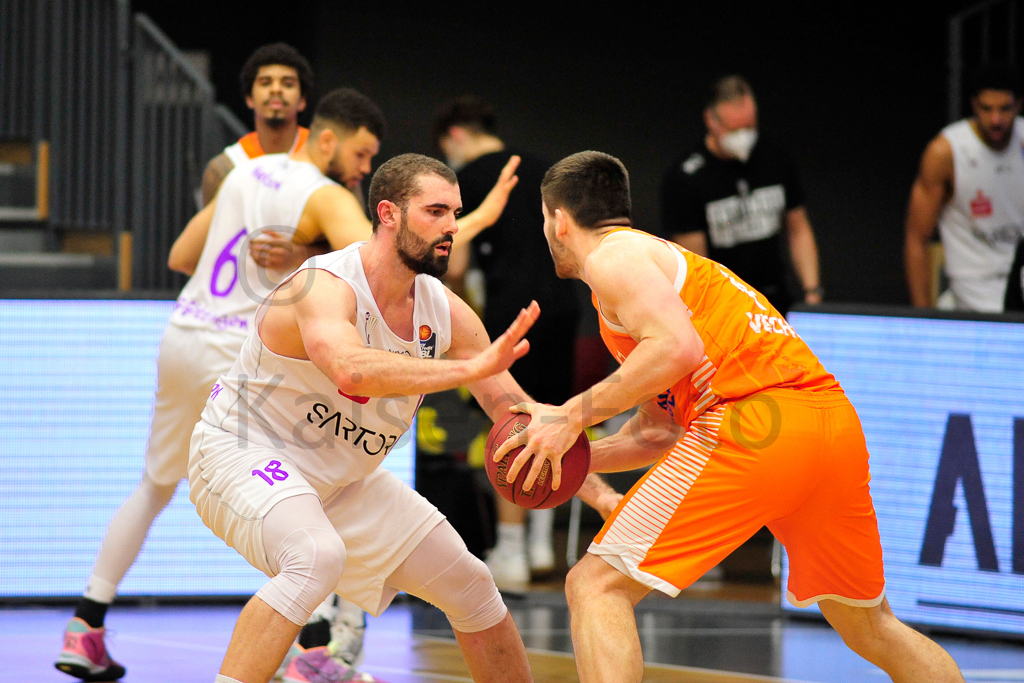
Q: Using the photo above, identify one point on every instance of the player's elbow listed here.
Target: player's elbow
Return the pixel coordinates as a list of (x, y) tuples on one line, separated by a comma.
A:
[(348, 378), (686, 354), (179, 263)]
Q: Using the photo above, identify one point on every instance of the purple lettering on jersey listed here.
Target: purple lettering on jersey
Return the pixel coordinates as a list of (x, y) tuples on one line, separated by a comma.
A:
[(193, 309), (266, 179), (273, 468), (216, 390)]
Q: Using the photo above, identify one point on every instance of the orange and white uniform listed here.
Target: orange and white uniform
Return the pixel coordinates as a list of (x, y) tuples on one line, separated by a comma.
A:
[(770, 439), (248, 146)]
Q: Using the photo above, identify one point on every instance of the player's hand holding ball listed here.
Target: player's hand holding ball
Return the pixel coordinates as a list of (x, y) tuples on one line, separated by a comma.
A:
[(535, 459)]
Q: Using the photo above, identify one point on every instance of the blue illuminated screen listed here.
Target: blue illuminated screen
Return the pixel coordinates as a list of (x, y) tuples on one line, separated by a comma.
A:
[(942, 405), (76, 398)]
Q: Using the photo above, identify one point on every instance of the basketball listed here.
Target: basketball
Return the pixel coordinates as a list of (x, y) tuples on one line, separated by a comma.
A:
[(575, 466)]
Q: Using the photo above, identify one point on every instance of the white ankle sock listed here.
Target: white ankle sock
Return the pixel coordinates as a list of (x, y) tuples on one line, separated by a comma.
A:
[(100, 590), (221, 678), (511, 539), (541, 523)]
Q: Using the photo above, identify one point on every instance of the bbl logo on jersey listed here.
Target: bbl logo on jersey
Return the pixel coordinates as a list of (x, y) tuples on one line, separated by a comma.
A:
[(428, 342)]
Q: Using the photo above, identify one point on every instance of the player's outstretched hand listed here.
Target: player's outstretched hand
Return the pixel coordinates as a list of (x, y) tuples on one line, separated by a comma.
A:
[(275, 251), (509, 347), (548, 436), (494, 203)]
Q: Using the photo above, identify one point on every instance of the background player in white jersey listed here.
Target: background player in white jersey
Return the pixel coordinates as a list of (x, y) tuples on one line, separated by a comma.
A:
[(213, 315), (284, 464), (971, 184), (275, 82)]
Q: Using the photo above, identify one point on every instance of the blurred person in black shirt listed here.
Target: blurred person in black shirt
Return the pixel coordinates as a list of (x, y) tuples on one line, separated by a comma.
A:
[(517, 267), (1014, 298), (735, 194)]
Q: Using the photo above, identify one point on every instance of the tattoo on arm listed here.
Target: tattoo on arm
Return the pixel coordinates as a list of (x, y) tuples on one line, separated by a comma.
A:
[(216, 171)]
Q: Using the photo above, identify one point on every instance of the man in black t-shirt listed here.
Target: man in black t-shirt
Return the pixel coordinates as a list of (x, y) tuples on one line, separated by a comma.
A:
[(517, 267), (736, 194), (1014, 299)]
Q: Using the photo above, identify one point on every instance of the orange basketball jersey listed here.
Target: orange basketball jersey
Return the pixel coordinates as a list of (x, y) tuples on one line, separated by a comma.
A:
[(748, 345), (248, 146), (251, 143)]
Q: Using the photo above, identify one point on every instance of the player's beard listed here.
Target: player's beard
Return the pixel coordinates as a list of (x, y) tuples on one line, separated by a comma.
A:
[(277, 118), (995, 137), (418, 255), (336, 171)]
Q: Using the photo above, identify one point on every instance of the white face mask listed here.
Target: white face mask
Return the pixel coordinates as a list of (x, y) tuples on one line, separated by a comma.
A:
[(739, 143)]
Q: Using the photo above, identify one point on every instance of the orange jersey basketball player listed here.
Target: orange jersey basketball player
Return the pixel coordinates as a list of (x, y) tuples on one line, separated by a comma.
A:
[(275, 80), (744, 425)]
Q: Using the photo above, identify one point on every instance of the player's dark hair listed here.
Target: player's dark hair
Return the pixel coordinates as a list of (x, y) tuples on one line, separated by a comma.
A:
[(349, 109), (727, 89), (276, 53), (468, 111), (996, 76), (592, 186), (397, 180)]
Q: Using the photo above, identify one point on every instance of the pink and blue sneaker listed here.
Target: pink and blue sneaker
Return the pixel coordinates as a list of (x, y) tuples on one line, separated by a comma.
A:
[(316, 665), (85, 654)]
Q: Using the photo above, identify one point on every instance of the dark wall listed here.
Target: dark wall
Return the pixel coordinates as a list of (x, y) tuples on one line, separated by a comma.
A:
[(856, 92)]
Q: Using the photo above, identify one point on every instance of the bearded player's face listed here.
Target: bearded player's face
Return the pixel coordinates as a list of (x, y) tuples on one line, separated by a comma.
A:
[(352, 156), (994, 112), (427, 225), (276, 95)]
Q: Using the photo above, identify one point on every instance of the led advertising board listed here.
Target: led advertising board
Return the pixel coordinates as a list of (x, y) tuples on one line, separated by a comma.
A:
[(76, 398), (942, 405)]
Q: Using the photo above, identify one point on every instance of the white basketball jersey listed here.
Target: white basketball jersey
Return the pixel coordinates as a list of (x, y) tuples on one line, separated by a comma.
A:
[(288, 404), (248, 147), (981, 224), (237, 154), (268, 192)]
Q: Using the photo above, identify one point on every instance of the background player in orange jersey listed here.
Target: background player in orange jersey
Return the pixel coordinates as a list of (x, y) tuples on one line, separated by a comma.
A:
[(275, 81), (746, 426)]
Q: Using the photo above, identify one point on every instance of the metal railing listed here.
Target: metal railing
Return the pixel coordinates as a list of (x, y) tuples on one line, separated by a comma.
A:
[(981, 33), (63, 79), (172, 116), (130, 123)]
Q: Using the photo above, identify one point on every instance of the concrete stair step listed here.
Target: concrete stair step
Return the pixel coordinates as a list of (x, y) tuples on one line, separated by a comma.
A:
[(42, 270)]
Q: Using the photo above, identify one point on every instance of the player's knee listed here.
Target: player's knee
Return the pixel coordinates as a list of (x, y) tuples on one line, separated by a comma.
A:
[(584, 580), (466, 593), (867, 631), (582, 584), (309, 562), (592, 578), (319, 554), (157, 495)]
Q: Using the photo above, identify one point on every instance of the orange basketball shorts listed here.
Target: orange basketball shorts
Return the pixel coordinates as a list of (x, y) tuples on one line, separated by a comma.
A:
[(794, 461)]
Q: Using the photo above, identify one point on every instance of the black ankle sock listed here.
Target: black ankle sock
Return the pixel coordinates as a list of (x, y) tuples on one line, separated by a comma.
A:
[(315, 634), (93, 613)]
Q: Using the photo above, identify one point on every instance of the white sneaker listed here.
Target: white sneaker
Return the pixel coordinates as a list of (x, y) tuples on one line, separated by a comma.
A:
[(542, 558), (511, 572), (346, 646)]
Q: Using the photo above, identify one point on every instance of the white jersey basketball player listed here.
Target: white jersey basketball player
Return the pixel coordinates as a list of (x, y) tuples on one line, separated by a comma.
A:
[(284, 464), (292, 196), (971, 184)]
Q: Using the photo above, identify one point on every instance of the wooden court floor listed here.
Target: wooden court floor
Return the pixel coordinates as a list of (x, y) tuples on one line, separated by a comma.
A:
[(685, 640)]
